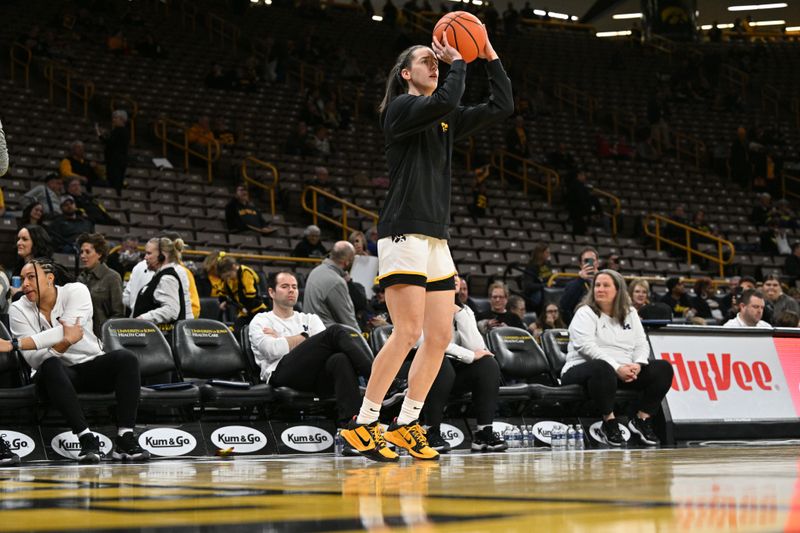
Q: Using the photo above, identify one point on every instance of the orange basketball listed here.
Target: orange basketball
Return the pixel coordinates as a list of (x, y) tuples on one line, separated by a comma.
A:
[(465, 33)]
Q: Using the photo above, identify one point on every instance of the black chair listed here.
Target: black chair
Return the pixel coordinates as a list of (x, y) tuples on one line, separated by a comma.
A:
[(209, 308), (162, 384), (285, 399), (379, 337), (523, 361), (16, 392), (207, 351)]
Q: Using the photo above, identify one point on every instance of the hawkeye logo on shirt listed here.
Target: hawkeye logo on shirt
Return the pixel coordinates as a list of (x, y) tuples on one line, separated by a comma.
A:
[(445, 126)]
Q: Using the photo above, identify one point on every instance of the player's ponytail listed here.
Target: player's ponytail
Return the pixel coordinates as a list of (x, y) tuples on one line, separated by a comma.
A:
[(395, 84)]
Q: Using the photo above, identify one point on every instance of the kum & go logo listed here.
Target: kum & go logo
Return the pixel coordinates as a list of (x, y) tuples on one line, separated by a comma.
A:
[(718, 373), (241, 438), (20, 443), (67, 445), (307, 438), (167, 442)]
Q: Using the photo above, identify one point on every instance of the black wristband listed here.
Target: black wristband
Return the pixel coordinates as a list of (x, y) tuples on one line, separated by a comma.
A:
[(304, 334), (14, 343)]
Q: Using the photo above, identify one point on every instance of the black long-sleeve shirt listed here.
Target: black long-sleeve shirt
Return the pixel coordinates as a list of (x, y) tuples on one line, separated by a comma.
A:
[(420, 132)]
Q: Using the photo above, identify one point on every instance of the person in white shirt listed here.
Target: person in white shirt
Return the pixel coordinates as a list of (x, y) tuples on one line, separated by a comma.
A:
[(52, 326), (751, 309), (141, 276), (162, 300), (296, 350), (607, 350)]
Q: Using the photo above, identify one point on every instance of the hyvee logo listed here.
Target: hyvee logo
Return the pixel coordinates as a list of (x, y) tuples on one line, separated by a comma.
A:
[(452, 435), (544, 429), (698, 374), (241, 438), (594, 431), (307, 438), (167, 442), (20, 443), (67, 444)]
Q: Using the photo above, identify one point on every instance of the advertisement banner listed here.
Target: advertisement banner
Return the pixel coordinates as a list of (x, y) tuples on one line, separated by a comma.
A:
[(313, 437), (727, 378)]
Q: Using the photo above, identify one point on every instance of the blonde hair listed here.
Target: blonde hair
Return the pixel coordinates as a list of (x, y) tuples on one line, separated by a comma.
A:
[(621, 305), (171, 249), (638, 282), (498, 285)]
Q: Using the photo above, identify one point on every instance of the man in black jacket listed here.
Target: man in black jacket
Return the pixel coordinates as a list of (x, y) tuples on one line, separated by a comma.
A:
[(116, 148), (85, 202), (241, 215), (578, 287), (67, 227)]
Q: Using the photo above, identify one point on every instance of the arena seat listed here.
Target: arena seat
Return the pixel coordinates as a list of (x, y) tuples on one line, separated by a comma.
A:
[(206, 350), (15, 391), (162, 384)]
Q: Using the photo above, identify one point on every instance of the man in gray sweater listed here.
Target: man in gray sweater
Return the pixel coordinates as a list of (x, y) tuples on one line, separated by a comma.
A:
[(326, 293)]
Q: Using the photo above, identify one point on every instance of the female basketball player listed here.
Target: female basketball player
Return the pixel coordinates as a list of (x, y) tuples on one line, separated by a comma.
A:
[(421, 123)]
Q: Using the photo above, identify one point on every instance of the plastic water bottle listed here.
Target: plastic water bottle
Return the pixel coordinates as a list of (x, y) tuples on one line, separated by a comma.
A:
[(338, 444), (531, 439), (570, 437), (507, 437), (555, 438), (579, 443), (525, 437), (516, 436)]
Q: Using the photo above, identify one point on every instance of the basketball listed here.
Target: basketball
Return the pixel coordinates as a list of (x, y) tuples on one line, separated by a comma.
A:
[(465, 33)]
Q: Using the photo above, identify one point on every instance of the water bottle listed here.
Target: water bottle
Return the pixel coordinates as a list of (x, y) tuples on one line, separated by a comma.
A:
[(525, 437), (507, 437), (516, 436), (579, 437), (531, 439), (338, 444), (570, 437), (555, 438)]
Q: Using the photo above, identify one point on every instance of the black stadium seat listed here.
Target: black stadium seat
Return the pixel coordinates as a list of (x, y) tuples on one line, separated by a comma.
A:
[(156, 363), (15, 393), (206, 350)]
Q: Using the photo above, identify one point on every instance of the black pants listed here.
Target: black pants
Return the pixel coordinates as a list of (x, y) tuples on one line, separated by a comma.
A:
[(601, 382), (116, 371), (481, 378), (328, 362)]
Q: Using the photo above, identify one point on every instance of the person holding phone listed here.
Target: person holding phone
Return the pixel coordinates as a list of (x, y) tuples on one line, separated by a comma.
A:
[(578, 287)]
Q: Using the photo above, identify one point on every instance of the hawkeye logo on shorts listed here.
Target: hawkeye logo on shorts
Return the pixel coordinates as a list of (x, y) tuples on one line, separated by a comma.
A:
[(397, 239), (445, 126)]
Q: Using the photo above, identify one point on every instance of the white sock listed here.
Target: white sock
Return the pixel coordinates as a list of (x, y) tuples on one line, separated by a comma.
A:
[(122, 431), (369, 412), (409, 412), (84, 432)]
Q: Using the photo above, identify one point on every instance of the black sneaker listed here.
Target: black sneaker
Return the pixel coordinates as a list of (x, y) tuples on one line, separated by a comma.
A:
[(90, 449), (610, 431), (126, 448), (488, 440), (644, 428), (396, 393), (436, 441), (7, 457)]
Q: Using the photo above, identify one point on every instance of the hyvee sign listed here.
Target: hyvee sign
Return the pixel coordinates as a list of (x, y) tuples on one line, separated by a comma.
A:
[(724, 378)]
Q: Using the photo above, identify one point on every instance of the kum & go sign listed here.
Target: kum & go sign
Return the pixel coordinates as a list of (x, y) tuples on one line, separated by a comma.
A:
[(731, 377)]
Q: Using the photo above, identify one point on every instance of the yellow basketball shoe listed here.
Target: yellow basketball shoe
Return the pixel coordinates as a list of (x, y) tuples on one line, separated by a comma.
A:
[(412, 438), (367, 439)]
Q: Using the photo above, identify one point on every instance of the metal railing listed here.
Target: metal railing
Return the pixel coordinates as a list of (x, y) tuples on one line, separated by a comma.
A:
[(770, 99), (262, 258), (189, 14), (346, 207), (785, 187), (306, 74), (616, 207), (351, 95), (577, 99), (251, 180), (223, 32), (550, 178), (467, 152), (716, 282), (162, 129), (621, 118), (660, 221), (737, 79), (688, 147), (131, 107), (20, 56), (558, 24), (59, 76)]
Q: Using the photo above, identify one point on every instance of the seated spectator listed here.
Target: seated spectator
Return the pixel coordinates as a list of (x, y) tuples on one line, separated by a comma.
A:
[(32, 215), (468, 367), (326, 292), (776, 301), (359, 242), (128, 256), (52, 327), (608, 349), (480, 197), (105, 285), (639, 292), (65, 228), (736, 286), (200, 133), (217, 78), (751, 309), (550, 318), (223, 132), (517, 139), (516, 305), (575, 290), (322, 180), (76, 165), (562, 160), (32, 242), (186, 275), (161, 299), (91, 208), (462, 294), (764, 211), (299, 141), (612, 263), (788, 319), (535, 276), (118, 44), (242, 215), (150, 48), (322, 142), (310, 245), (775, 240), (239, 288), (48, 195), (297, 350), (785, 214), (702, 302), (498, 315), (372, 241), (676, 297), (791, 266), (116, 149)]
